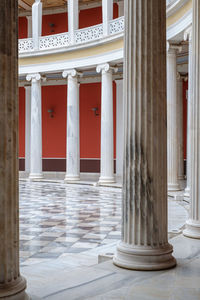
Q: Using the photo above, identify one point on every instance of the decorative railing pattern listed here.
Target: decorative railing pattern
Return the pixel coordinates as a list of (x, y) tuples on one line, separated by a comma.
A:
[(54, 41), (62, 40), (88, 34), (25, 45), (117, 25)]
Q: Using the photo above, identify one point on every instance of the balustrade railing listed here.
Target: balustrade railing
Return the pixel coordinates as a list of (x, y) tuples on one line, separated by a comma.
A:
[(62, 40)]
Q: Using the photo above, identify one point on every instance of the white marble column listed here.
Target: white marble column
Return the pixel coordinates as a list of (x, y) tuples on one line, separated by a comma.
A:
[(180, 126), (188, 36), (29, 26), (107, 154), (144, 244), (119, 129), (107, 13), (172, 130), (193, 224), (27, 128), (12, 284), (36, 127), (120, 8), (36, 23), (73, 18), (73, 143)]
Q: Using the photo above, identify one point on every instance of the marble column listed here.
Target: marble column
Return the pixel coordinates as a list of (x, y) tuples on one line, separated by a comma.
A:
[(12, 284), (36, 23), (119, 129), (27, 128), (107, 13), (188, 36), (180, 126), (193, 224), (73, 143), (36, 127), (144, 244), (107, 153), (120, 8), (73, 18), (172, 131)]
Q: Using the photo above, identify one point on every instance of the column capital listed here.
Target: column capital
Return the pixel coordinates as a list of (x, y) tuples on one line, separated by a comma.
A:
[(173, 49), (105, 68), (33, 77), (71, 73), (188, 34)]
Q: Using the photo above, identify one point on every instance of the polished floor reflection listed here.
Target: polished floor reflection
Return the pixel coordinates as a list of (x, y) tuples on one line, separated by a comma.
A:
[(58, 220)]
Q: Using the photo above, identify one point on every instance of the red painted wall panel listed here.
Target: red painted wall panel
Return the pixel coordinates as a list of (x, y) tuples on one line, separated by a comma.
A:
[(21, 122), (60, 22), (90, 17), (22, 28), (54, 129)]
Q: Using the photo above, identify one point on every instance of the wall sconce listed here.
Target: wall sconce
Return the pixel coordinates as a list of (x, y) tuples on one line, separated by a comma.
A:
[(51, 111), (95, 110), (52, 27)]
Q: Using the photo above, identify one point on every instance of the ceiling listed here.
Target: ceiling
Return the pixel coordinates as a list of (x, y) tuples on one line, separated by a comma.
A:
[(26, 4)]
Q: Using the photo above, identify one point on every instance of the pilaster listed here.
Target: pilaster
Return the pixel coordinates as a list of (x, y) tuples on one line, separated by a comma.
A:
[(36, 23), (73, 18), (107, 13)]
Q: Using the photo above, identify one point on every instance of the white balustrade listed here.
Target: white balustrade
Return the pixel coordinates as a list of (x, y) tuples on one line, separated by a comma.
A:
[(82, 36), (25, 45), (117, 26), (88, 34)]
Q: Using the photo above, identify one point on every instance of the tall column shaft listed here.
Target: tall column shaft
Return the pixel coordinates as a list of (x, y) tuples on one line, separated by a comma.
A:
[(36, 23), (27, 128), (107, 154), (36, 127), (188, 35), (107, 13), (73, 143), (120, 129), (144, 244), (73, 18), (193, 224), (12, 285), (172, 131), (180, 127)]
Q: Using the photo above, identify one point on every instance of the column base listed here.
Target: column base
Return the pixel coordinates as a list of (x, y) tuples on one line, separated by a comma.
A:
[(36, 176), (71, 178), (105, 180), (192, 229), (173, 187), (187, 192), (144, 258), (15, 291)]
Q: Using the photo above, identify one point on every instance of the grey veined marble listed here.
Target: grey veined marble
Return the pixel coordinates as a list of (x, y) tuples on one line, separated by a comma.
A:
[(144, 244)]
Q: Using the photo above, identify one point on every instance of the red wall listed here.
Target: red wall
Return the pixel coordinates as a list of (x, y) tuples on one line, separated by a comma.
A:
[(54, 129), (22, 28), (60, 22), (21, 122)]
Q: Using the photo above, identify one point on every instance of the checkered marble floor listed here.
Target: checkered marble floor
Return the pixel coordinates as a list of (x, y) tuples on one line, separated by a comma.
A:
[(58, 218)]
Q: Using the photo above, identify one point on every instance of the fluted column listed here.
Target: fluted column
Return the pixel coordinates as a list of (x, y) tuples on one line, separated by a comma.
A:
[(27, 128), (107, 13), (36, 23), (73, 18), (107, 154), (119, 129), (193, 224), (188, 36), (36, 127), (180, 126), (73, 143), (12, 285), (172, 131), (144, 244)]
